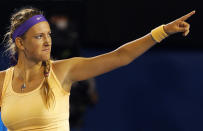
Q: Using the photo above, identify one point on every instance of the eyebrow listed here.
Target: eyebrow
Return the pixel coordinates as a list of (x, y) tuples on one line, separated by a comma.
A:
[(41, 33)]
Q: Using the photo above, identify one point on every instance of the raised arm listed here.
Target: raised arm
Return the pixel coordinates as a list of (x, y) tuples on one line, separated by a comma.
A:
[(80, 68)]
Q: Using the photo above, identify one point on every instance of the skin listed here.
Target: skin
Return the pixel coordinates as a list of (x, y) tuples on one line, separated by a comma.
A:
[(31, 52), (79, 68)]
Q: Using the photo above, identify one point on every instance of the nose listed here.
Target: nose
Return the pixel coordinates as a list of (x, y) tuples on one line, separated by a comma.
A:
[(47, 40)]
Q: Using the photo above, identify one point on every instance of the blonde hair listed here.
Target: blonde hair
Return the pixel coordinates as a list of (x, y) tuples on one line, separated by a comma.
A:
[(11, 49)]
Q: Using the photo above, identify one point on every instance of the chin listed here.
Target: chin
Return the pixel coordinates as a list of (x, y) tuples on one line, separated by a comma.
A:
[(45, 58)]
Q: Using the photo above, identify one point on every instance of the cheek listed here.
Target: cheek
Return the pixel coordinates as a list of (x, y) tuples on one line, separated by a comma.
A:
[(35, 48)]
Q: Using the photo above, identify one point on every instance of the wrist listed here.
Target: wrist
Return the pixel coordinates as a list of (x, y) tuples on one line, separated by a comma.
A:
[(165, 30), (158, 34)]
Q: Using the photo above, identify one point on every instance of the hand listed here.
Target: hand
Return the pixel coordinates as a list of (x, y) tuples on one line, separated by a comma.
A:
[(179, 25)]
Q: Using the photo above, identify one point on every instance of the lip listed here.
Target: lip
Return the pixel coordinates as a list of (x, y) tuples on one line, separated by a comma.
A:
[(46, 50)]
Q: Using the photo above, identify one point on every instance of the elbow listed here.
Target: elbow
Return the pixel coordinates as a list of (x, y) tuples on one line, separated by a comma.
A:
[(126, 62), (124, 59)]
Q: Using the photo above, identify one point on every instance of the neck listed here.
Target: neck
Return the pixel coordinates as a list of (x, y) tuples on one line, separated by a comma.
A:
[(28, 69)]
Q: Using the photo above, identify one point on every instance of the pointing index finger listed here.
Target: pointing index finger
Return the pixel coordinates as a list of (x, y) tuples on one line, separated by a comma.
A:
[(185, 17)]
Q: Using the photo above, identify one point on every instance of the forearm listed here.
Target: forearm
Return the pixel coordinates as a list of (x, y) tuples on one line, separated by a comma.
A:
[(133, 49)]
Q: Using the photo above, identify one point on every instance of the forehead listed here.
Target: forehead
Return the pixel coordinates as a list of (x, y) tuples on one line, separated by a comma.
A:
[(41, 27)]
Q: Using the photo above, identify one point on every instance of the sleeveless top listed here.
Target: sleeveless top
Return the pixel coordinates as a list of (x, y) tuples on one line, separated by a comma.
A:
[(28, 112)]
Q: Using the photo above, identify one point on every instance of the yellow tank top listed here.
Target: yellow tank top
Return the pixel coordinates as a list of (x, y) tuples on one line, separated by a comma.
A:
[(27, 111)]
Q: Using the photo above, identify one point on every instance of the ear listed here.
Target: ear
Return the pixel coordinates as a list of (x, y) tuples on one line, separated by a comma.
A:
[(19, 43)]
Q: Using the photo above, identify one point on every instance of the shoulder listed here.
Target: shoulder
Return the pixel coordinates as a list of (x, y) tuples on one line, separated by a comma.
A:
[(60, 65), (63, 68), (2, 76), (65, 64)]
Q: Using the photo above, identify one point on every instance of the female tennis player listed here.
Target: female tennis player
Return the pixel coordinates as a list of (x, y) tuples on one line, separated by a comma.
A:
[(34, 93)]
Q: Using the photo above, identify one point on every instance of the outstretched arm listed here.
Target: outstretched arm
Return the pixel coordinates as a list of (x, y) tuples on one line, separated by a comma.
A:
[(80, 68)]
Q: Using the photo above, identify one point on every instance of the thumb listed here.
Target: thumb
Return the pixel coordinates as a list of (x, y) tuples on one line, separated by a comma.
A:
[(186, 32)]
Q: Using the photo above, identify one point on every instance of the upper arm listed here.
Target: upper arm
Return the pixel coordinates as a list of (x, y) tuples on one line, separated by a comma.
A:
[(80, 68), (2, 76)]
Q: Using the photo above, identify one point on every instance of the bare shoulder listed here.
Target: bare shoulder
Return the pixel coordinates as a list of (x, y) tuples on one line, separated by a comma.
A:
[(65, 64), (62, 67), (2, 76)]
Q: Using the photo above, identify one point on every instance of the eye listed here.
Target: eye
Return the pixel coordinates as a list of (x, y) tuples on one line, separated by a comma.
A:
[(38, 36), (49, 34)]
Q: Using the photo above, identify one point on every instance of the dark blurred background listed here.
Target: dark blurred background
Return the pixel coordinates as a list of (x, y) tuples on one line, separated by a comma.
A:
[(110, 23), (162, 89)]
